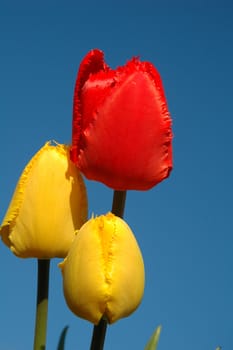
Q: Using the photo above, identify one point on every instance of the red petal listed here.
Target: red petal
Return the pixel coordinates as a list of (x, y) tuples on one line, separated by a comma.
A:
[(94, 92), (92, 63)]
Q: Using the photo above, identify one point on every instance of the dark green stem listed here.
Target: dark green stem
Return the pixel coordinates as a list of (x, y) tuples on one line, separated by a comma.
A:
[(41, 305), (118, 203), (98, 335), (99, 331)]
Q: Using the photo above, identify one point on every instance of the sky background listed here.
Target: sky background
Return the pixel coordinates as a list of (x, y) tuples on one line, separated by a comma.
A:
[(184, 225)]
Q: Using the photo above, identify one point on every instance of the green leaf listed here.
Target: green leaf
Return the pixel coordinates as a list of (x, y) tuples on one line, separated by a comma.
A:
[(219, 348), (153, 342), (61, 344)]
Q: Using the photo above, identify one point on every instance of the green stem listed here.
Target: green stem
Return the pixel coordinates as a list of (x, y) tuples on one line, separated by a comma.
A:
[(99, 331), (118, 203), (98, 335), (41, 305)]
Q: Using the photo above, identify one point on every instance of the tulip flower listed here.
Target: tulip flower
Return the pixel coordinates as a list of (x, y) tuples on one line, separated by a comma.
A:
[(121, 124), (103, 273), (48, 205)]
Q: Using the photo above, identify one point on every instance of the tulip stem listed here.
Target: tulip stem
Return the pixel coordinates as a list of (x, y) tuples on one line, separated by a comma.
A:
[(99, 331), (98, 335), (118, 203), (42, 304)]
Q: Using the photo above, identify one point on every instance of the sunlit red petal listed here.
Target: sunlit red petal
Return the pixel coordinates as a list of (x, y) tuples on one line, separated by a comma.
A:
[(124, 135)]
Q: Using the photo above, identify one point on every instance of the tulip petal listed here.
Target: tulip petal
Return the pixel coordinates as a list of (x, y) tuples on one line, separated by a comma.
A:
[(93, 62), (114, 155), (103, 274), (48, 205)]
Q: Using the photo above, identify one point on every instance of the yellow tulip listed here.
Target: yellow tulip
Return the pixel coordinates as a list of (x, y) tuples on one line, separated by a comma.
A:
[(103, 273), (48, 205)]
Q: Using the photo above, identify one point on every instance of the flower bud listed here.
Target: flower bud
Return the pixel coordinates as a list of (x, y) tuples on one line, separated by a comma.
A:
[(48, 205), (121, 124), (103, 273)]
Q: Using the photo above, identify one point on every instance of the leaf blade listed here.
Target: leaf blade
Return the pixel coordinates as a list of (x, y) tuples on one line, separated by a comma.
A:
[(61, 343), (153, 341)]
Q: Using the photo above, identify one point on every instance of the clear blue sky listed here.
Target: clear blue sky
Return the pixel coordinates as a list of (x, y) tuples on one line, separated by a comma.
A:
[(185, 224)]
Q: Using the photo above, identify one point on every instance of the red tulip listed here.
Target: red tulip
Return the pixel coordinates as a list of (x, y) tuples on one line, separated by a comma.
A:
[(121, 124)]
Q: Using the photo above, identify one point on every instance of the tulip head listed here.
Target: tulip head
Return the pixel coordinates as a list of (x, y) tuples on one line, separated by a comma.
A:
[(103, 273), (121, 124), (48, 205)]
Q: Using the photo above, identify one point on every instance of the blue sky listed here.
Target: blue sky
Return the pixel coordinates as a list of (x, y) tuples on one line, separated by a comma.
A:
[(184, 225)]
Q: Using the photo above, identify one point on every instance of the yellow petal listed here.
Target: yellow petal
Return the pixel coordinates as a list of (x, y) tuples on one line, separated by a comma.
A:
[(103, 273), (48, 205)]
